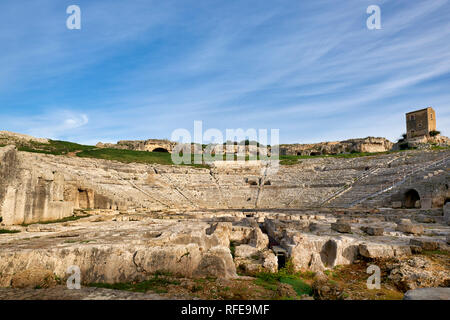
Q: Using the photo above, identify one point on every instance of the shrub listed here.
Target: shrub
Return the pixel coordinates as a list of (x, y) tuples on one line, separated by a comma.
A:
[(434, 133)]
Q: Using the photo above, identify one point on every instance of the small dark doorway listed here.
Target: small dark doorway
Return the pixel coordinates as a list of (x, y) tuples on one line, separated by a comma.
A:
[(411, 197), (160, 150), (281, 257), (83, 199)]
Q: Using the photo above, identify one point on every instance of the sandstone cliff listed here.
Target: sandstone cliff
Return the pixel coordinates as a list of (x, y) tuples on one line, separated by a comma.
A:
[(369, 144)]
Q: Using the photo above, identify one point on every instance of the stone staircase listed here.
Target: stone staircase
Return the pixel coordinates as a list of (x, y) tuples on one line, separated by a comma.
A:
[(418, 176), (386, 178)]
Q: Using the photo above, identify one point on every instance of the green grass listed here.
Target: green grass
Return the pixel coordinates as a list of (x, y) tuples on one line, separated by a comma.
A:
[(67, 219), (54, 147), (293, 159), (439, 148), (127, 156), (270, 281), (3, 231), (435, 252), (299, 286), (157, 283)]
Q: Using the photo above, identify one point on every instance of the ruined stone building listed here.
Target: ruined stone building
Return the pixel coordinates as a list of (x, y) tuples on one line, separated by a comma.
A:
[(420, 122)]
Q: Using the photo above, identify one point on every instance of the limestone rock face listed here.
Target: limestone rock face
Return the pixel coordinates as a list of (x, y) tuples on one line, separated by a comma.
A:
[(341, 226), (245, 251), (12, 138), (217, 262), (407, 226), (28, 195), (120, 251), (310, 251), (376, 251), (425, 244), (34, 277), (258, 239), (382, 250), (373, 231), (447, 213), (369, 144), (270, 262), (428, 294), (416, 272)]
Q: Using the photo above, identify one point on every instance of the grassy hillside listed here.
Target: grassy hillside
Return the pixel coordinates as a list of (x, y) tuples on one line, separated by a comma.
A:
[(56, 147)]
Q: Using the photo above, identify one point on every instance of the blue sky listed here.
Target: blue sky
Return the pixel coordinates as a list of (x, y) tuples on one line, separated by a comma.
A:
[(141, 69)]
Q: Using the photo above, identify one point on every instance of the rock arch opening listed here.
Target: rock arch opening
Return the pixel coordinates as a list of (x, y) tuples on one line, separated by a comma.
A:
[(411, 197)]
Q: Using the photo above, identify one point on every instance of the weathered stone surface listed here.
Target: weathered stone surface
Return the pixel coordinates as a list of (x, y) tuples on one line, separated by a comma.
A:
[(373, 250), (270, 261), (85, 293), (119, 251), (369, 144), (373, 231), (12, 138), (396, 204), (416, 272), (32, 278), (342, 227), (258, 239), (285, 290), (425, 244), (409, 227), (245, 251), (428, 294), (447, 212), (29, 195), (217, 262)]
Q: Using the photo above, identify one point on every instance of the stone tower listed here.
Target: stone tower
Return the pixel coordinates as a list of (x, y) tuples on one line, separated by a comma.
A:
[(420, 122)]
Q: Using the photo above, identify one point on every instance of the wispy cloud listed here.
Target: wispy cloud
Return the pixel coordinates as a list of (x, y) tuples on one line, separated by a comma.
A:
[(141, 69)]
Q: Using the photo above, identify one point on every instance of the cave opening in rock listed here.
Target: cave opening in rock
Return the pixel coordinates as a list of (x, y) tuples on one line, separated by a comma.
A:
[(281, 258), (328, 253), (410, 198), (83, 199), (160, 150)]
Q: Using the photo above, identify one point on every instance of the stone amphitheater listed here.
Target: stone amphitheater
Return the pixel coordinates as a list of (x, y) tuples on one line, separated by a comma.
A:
[(137, 219)]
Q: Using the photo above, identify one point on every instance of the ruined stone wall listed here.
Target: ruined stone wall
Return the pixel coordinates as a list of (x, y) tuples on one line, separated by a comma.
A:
[(140, 145), (369, 144)]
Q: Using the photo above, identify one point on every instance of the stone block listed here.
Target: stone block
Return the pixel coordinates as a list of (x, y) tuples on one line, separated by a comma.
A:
[(425, 244), (410, 228), (341, 227), (396, 204), (373, 231)]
